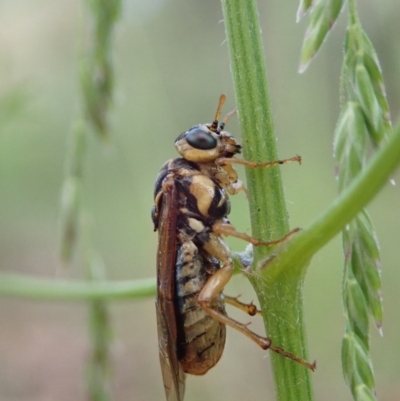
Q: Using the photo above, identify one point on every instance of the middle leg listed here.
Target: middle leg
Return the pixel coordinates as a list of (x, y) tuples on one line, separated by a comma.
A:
[(229, 230)]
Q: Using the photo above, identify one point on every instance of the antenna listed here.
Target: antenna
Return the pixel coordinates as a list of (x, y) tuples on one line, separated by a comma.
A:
[(226, 118), (214, 125)]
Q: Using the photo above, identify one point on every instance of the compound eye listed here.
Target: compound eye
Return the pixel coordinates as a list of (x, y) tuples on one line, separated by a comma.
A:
[(201, 138)]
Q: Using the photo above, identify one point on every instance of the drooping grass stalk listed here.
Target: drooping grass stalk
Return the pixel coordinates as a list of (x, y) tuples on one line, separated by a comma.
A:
[(280, 295), (364, 119), (96, 80), (97, 83)]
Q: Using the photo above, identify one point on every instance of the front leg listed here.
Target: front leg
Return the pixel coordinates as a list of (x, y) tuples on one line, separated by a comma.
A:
[(227, 175), (224, 162), (228, 179)]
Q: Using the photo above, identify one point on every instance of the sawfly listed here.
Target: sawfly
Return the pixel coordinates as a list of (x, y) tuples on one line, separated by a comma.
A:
[(193, 261)]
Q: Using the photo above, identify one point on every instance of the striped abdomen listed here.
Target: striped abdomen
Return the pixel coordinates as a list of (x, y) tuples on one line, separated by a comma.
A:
[(202, 339)]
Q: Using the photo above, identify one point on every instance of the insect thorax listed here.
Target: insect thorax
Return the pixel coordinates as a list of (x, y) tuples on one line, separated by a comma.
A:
[(200, 194)]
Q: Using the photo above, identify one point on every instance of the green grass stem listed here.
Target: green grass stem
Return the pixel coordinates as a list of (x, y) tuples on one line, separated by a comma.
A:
[(280, 297)]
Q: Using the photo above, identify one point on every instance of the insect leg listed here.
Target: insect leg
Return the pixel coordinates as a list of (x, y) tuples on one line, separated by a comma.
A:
[(230, 230), (223, 161), (216, 247), (250, 308), (227, 175)]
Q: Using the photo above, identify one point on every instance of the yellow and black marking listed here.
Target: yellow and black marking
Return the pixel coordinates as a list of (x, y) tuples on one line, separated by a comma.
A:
[(202, 338)]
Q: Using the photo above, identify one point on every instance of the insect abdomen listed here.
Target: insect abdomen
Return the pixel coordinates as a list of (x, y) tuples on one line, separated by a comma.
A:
[(202, 338)]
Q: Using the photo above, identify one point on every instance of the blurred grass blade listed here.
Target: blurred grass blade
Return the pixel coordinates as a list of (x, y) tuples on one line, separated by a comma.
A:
[(304, 6), (72, 192), (97, 74), (69, 214), (13, 100), (98, 368), (322, 19), (99, 364)]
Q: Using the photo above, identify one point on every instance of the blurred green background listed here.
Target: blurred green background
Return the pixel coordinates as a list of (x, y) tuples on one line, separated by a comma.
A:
[(171, 64)]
